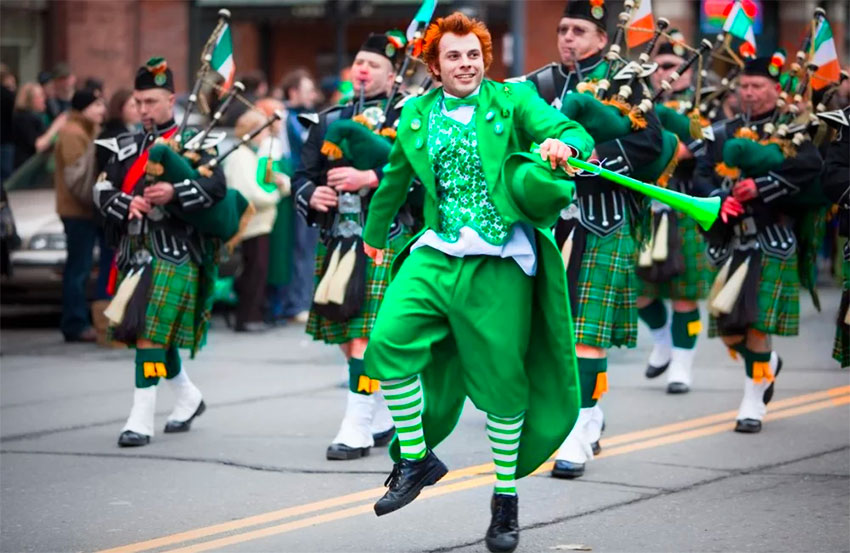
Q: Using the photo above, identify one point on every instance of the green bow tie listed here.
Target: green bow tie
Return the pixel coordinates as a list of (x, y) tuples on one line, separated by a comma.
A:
[(454, 103)]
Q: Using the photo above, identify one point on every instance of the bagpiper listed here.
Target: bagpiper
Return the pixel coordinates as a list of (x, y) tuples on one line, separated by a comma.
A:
[(836, 185), (167, 268), (478, 305), (673, 265), (599, 227), (755, 294), (334, 196)]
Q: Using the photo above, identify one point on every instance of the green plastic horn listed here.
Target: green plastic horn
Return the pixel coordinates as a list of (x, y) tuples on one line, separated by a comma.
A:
[(702, 210)]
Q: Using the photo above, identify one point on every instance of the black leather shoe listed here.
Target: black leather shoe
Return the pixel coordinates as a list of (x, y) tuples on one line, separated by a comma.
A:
[(128, 438), (341, 452), (183, 426), (595, 447), (768, 394), (406, 481), (652, 372), (503, 534), (678, 388), (566, 469), (747, 426), (383, 438)]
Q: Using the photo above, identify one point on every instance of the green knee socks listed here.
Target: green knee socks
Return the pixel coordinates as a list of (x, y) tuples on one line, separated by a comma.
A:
[(593, 378), (654, 314), (358, 382), (686, 327)]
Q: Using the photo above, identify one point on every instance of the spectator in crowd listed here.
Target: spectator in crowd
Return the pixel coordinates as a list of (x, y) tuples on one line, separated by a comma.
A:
[(30, 133), (263, 190), (63, 90), (74, 178), (95, 84), (302, 96), (8, 85), (276, 147)]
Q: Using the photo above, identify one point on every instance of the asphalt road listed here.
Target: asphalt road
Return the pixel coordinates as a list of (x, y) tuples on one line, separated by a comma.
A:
[(251, 475)]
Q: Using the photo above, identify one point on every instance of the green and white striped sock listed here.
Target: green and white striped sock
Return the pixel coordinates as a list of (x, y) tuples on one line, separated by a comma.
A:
[(504, 436), (405, 402)]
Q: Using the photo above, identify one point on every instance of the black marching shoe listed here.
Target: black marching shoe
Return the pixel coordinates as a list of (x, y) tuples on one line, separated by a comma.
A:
[(768, 394), (383, 438), (748, 426), (503, 534), (172, 427), (678, 388), (406, 481), (652, 372), (342, 452), (566, 469), (128, 438), (596, 448)]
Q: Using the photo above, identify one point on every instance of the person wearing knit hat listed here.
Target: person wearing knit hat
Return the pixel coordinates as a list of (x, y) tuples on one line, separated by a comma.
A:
[(73, 180), (164, 252), (759, 249), (332, 195), (596, 233), (683, 275)]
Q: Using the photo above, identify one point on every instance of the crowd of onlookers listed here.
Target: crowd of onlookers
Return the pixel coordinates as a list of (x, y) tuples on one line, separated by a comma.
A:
[(49, 126)]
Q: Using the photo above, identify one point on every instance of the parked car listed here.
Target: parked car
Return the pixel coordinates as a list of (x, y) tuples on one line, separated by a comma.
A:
[(38, 262)]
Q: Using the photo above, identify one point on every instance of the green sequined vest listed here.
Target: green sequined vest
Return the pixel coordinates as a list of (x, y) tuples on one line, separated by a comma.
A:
[(463, 198)]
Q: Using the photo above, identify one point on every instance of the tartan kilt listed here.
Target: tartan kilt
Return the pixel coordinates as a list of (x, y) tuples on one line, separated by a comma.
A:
[(172, 300), (377, 279), (778, 298), (606, 314), (841, 348), (695, 282)]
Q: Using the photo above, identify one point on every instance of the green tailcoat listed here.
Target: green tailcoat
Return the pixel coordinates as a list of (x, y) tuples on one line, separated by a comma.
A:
[(509, 118)]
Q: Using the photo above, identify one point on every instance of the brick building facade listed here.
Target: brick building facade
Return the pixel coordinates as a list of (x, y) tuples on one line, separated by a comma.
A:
[(109, 39)]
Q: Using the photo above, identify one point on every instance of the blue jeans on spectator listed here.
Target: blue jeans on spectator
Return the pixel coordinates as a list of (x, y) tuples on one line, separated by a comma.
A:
[(80, 235), (297, 296)]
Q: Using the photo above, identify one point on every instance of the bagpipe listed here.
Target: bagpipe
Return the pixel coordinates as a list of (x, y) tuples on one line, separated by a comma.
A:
[(182, 157), (607, 117)]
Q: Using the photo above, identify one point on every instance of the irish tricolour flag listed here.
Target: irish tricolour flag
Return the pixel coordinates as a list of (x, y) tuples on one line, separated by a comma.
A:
[(421, 19), (641, 27), (739, 23), (222, 57), (824, 57)]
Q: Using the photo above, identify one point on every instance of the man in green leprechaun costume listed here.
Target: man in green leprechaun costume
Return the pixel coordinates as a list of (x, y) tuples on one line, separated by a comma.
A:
[(672, 265), (478, 305), (597, 234), (332, 192), (763, 182), (163, 302)]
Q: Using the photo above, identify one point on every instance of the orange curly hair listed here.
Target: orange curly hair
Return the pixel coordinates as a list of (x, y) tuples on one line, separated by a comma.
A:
[(458, 24)]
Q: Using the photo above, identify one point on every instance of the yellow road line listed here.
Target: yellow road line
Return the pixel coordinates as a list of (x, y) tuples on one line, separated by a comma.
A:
[(685, 430)]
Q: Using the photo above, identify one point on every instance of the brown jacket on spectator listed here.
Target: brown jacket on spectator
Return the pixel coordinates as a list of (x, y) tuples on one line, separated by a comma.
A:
[(75, 160)]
